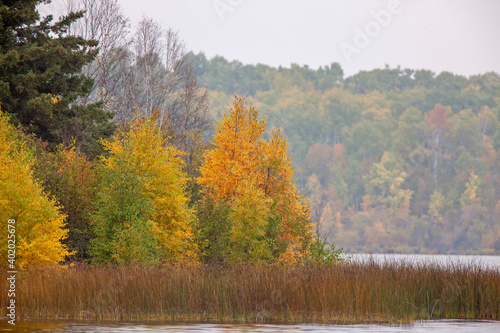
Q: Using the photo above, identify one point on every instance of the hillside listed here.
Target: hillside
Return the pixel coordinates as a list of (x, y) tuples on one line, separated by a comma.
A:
[(392, 159)]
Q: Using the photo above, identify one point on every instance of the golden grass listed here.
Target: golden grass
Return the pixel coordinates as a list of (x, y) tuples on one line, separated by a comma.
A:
[(342, 293)]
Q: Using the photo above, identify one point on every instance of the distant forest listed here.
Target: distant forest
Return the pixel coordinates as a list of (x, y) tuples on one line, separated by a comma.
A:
[(393, 160)]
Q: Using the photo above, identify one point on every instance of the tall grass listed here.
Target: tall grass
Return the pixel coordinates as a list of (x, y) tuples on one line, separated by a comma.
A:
[(348, 292)]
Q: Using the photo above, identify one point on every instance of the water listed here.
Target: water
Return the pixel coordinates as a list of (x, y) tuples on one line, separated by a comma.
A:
[(435, 326), (490, 262), (438, 326)]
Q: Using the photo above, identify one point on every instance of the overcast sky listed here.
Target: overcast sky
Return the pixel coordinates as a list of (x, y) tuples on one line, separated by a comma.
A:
[(461, 36)]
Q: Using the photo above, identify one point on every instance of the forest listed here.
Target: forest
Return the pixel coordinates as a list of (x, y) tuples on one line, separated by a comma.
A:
[(140, 181), (110, 155), (393, 160)]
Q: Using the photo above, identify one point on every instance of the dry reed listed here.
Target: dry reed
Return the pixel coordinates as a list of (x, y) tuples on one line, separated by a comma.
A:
[(343, 293)]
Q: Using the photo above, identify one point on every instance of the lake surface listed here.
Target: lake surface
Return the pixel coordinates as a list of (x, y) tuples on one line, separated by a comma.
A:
[(437, 326), (492, 262)]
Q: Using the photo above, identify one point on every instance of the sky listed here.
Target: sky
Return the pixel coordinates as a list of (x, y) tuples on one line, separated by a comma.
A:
[(459, 36)]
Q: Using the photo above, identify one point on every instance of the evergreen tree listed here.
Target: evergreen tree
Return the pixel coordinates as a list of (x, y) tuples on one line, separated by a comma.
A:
[(41, 80)]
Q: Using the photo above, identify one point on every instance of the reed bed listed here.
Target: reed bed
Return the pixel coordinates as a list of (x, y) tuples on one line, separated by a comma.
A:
[(348, 292)]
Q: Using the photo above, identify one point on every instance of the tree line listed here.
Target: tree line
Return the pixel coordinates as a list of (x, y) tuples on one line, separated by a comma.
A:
[(110, 155), (392, 159), (125, 162)]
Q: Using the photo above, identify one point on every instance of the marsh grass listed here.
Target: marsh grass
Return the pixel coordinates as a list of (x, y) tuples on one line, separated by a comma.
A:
[(349, 292)]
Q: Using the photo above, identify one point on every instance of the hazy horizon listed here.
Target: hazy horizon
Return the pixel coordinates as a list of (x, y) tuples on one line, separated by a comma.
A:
[(444, 35)]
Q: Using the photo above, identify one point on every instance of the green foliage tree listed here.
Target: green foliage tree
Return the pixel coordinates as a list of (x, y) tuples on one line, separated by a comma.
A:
[(409, 136), (439, 128), (142, 211), (71, 179), (384, 183), (40, 80)]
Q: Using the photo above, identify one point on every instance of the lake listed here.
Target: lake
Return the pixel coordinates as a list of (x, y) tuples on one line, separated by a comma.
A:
[(492, 262), (435, 326)]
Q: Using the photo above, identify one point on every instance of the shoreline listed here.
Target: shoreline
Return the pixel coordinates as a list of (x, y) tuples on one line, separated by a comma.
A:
[(343, 293)]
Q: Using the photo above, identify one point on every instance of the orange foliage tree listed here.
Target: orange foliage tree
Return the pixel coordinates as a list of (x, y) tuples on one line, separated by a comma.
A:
[(267, 218)]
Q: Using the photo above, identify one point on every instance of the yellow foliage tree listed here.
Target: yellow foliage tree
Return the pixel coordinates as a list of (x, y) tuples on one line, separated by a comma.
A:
[(249, 213), (254, 178), (385, 181), (470, 194), (291, 209), (143, 212), (39, 225)]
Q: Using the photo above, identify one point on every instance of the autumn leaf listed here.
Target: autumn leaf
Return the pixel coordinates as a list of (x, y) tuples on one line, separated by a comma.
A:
[(39, 224)]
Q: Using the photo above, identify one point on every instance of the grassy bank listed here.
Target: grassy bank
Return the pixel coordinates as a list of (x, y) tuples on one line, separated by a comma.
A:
[(343, 293)]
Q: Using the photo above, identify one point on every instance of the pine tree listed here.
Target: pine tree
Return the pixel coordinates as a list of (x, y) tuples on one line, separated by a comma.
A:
[(40, 80)]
